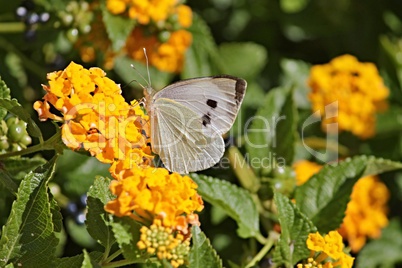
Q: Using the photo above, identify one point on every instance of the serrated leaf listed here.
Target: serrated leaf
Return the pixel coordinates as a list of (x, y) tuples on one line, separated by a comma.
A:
[(324, 197), (122, 66), (117, 27), (235, 201), (97, 218), (244, 60), (295, 227), (28, 238), (15, 108), (293, 6), (270, 138), (202, 253), (389, 245), (4, 94), (19, 167), (127, 234), (76, 261)]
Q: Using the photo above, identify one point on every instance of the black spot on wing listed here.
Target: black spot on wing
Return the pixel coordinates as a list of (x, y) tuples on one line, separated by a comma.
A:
[(206, 119), (212, 103)]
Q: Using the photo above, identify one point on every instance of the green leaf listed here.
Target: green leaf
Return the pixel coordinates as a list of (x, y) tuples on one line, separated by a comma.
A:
[(28, 238), (15, 108), (389, 245), (293, 6), (235, 201), (197, 62), (4, 94), (117, 27), (122, 66), (295, 74), (19, 167), (77, 260), (202, 253), (270, 138), (97, 217), (244, 60), (87, 261), (127, 234), (76, 172), (295, 227), (324, 197)]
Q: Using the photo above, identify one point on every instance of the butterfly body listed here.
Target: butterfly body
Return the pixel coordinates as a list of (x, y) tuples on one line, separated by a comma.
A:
[(189, 117)]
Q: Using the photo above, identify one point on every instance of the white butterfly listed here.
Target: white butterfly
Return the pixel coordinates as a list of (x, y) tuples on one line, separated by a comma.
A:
[(189, 117)]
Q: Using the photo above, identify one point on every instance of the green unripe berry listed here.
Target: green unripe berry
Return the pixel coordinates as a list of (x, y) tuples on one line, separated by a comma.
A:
[(26, 140), (4, 145), (16, 131)]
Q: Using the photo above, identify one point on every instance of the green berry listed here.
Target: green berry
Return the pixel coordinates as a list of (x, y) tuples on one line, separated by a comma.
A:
[(15, 147), (12, 120), (72, 35), (26, 140), (16, 131), (4, 145), (3, 128)]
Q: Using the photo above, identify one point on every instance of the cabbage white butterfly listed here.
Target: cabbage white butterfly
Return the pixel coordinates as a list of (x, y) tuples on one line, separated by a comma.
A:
[(189, 117)]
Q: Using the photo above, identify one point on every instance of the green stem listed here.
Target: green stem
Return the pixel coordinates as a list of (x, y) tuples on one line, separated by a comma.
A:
[(261, 239), (268, 245), (122, 263), (47, 145), (113, 256), (12, 27)]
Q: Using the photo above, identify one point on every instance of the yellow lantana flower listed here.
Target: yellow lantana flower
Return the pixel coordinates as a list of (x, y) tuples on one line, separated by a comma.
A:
[(95, 116), (149, 193), (167, 56), (145, 11), (366, 211), (358, 89), (326, 251)]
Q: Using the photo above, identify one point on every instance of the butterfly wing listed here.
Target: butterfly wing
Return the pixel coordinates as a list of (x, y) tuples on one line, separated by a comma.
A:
[(216, 100), (178, 138)]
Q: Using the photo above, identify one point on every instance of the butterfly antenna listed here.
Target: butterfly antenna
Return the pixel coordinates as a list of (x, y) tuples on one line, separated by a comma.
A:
[(146, 58), (139, 73)]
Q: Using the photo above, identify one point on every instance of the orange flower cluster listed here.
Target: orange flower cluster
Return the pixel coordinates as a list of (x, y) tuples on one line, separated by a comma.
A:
[(358, 89), (327, 252), (147, 11), (166, 56), (95, 115), (366, 211), (148, 193)]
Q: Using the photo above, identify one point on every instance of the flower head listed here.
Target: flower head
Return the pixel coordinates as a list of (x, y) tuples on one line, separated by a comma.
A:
[(164, 243), (167, 56), (358, 89), (94, 115), (366, 211), (149, 193), (327, 251)]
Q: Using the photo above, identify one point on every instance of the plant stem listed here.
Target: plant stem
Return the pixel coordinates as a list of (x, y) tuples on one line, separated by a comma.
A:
[(268, 245), (122, 263), (47, 145), (113, 256)]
